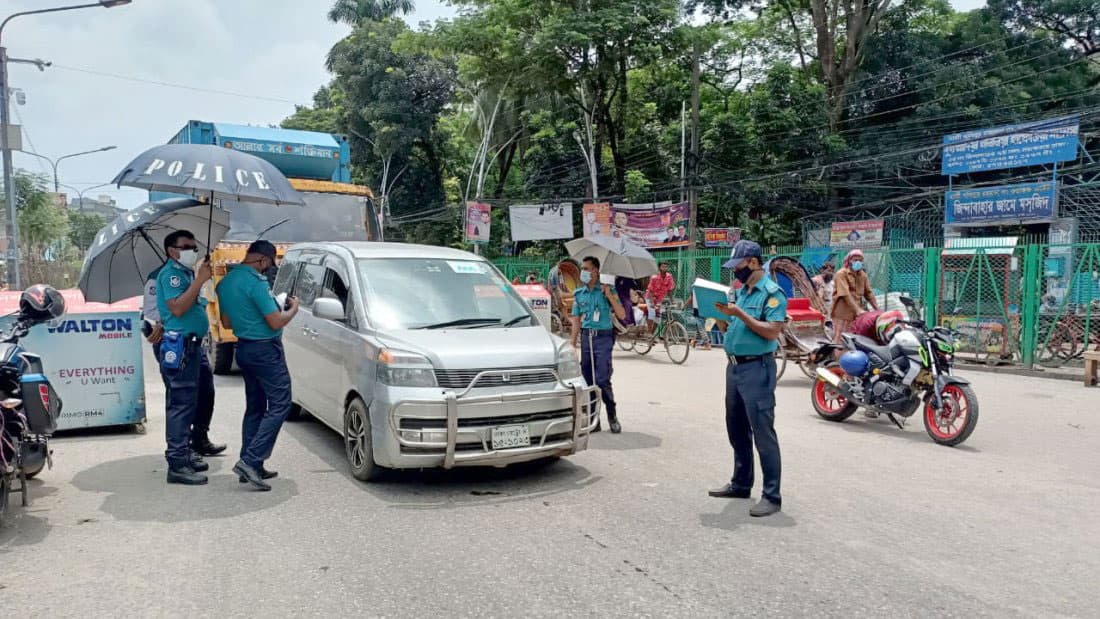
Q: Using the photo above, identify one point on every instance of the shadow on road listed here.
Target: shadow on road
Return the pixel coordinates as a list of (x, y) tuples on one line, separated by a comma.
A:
[(736, 514), (137, 491), (914, 430), (443, 489), (624, 441), (22, 525)]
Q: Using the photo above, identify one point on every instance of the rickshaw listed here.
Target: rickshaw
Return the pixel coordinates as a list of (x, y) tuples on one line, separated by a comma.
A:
[(669, 330), (805, 325), (564, 278)]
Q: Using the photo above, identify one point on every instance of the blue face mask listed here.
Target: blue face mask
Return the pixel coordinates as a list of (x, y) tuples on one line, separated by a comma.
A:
[(857, 265), (586, 277)]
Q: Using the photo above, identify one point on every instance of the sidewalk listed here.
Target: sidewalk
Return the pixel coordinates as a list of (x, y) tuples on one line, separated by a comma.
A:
[(1074, 374)]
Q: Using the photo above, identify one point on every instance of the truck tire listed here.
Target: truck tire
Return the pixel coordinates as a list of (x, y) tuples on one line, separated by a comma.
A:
[(220, 356)]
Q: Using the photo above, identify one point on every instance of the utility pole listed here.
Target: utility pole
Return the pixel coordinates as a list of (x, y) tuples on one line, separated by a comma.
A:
[(693, 194), (683, 149)]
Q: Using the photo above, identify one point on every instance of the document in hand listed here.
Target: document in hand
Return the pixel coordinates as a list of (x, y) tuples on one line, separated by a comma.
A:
[(707, 293)]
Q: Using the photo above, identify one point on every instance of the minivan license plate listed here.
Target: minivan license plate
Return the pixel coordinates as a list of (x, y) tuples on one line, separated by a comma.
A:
[(506, 437)]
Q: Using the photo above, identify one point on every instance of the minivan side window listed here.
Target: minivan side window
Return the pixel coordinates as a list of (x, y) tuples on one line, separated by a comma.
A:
[(336, 287), (308, 286)]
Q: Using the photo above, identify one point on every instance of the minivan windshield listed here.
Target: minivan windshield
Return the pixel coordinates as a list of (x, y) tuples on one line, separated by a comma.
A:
[(427, 293)]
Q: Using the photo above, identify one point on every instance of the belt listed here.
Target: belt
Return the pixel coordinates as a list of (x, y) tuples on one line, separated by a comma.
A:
[(596, 331), (739, 359)]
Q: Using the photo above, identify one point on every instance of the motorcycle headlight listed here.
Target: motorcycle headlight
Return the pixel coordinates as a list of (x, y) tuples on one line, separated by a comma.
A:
[(568, 366), (405, 369)]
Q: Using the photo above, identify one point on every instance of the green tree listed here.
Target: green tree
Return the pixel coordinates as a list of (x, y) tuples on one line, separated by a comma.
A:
[(83, 228), (356, 12)]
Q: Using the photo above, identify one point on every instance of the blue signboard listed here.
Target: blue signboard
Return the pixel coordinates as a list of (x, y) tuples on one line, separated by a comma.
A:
[(1001, 204), (94, 361), (1011, 146)]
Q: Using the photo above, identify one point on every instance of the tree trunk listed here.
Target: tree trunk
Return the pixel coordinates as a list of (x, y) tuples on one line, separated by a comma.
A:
[(504, 162)]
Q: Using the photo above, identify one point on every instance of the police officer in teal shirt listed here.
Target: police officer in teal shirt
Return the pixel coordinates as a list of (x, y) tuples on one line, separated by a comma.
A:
[(757, 315), (250, 310), (189, 395), (593, 305)]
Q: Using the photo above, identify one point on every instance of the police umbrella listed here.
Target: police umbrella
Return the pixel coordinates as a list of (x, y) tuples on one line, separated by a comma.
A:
[(126, 250), (212, 172), (617, 256)]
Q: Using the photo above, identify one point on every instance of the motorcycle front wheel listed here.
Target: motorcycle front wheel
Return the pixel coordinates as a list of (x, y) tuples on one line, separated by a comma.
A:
[(828, 402), (957, 420)]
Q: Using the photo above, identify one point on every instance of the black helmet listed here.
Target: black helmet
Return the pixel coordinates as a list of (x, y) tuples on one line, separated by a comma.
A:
[(41, 303)]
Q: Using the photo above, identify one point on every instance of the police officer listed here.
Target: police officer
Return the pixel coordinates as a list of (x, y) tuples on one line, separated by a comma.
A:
[(190, 386), (249, 308), (593, 305), (756, 316)]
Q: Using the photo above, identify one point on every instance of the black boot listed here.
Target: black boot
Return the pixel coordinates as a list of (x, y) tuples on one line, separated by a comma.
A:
[(204, 447), (198, 464), (247, 473), (187, 476), (613, 421)]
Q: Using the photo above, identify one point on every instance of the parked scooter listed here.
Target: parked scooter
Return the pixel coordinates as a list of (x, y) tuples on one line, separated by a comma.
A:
[(29, 406)]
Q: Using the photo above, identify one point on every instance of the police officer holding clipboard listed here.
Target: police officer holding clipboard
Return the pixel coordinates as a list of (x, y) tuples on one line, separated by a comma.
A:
[(183, 364), (757, 314)]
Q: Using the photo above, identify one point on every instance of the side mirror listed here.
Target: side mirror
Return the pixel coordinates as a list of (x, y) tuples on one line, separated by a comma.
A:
[(329, 309), (907, 302)]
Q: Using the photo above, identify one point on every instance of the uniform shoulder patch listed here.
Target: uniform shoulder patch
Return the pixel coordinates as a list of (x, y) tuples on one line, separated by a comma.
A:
[(773, 302), (175, 281)]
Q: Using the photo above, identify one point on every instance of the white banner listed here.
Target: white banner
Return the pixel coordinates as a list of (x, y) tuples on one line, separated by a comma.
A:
[(539, 222)]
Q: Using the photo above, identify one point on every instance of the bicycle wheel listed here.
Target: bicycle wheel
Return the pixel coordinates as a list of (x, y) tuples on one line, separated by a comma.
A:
[(676, 343), (625, 341), (644, 344), (780, 362)]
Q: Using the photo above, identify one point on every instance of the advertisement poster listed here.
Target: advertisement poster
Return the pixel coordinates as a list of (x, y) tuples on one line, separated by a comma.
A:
[(867, 233), (478, 222), (93, 358), (1011, 146), (597, 219), (721, 237), (1004, 203), (541, 222), (653, 226)]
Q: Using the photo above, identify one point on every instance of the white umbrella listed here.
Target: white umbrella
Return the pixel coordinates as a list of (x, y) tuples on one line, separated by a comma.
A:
[(617, 256)]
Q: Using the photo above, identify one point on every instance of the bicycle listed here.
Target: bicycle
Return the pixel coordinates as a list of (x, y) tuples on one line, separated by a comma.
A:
[(670, 331)]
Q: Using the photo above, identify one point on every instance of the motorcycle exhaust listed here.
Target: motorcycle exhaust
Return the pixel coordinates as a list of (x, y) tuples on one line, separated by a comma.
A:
[(828, 377)]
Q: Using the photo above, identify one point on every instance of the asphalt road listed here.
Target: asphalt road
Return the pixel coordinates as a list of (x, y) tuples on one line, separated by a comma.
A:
[(876, 521)]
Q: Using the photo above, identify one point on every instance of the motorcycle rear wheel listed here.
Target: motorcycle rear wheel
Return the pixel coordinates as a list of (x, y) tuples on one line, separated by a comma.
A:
[(827, 401), (959, 417)]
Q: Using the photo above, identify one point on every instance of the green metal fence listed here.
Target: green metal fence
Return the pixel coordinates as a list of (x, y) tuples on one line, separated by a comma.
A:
[(1014, 305)]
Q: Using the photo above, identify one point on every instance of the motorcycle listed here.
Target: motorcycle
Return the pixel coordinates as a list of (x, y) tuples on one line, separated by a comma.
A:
[(910, 372), (29, 406)]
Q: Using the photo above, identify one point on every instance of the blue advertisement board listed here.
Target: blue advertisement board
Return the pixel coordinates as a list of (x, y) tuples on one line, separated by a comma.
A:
[(1011, 146), (94, 361), (1001, 204)]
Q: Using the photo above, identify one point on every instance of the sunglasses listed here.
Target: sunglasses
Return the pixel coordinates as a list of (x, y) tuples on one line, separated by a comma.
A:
[(186, 247)]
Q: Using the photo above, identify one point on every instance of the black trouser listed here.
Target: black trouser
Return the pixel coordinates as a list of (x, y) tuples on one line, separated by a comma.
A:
[(750, 417), (189, 403), (596, 364)]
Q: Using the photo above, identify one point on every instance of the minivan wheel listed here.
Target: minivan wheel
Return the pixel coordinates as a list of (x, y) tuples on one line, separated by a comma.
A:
[(357, 442)]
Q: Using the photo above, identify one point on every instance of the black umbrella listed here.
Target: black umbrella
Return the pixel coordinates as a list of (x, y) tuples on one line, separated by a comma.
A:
[(126, 250), (210, 172)]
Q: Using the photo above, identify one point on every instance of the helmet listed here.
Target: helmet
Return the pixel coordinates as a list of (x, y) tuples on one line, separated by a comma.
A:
[(855, 363), (41, 303), (887, 324)]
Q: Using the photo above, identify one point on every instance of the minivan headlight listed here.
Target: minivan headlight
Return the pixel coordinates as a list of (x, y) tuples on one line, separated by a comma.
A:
[(399, 368), (568, 366)]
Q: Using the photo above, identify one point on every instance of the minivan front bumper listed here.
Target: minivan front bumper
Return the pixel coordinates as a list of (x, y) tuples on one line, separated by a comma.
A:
[(454, 428)]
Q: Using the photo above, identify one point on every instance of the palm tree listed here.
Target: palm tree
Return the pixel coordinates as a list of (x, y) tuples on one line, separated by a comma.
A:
[(355, 12)]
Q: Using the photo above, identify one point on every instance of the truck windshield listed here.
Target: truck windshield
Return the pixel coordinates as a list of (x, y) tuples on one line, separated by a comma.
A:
[(423, 293), (325, 217)]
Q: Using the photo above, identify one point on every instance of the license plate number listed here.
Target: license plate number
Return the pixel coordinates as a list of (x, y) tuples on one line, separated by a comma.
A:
[(506, 437)]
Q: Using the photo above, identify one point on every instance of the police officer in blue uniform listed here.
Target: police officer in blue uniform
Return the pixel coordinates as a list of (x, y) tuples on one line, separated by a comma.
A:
[(757, 315), (186, 372), (249, 308), (593, 305)]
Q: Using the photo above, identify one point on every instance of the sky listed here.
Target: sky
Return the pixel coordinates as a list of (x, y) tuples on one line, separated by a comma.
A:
[(115, 71)]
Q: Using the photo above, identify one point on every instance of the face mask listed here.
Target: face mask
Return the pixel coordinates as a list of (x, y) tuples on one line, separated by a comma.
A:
[(857, 265), (743, 274), (586, 277), (189, 257)]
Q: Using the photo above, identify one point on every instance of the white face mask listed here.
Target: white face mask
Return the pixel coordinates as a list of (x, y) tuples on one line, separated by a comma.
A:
[(189, 257)]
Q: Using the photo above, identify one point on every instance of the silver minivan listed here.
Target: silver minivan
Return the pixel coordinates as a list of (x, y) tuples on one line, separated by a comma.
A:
[(424, 357)]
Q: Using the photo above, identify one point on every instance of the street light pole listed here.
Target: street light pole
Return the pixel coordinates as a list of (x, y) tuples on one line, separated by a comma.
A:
[(53, 162), (5, 126)]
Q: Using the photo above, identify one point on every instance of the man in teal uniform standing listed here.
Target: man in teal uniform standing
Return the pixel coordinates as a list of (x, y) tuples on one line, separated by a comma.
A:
[(757, 317), (593, 304), (187, 375), (249, 308)]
